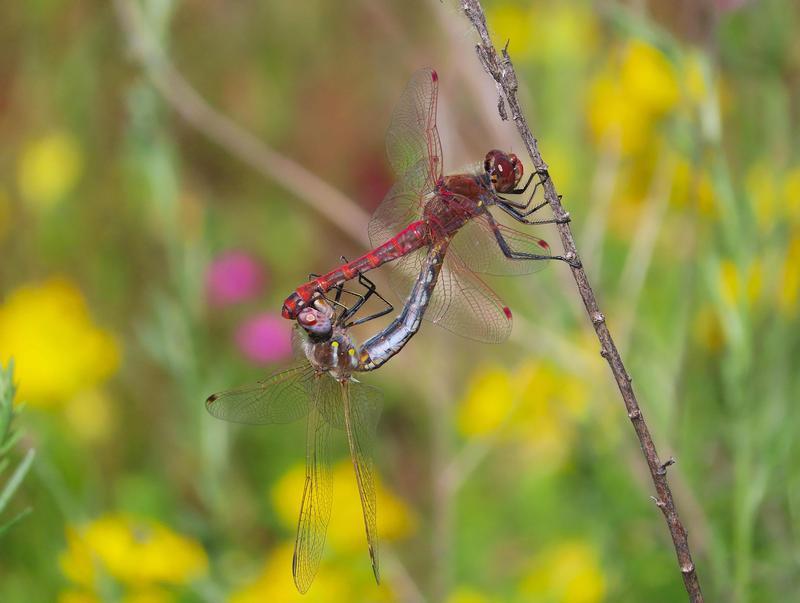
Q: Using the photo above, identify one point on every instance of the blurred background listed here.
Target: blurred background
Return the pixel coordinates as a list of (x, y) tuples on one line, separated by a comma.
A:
[(165, 181)]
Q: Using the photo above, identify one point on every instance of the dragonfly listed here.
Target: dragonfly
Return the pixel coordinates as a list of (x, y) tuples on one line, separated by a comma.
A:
[(322, 387), (425, 206)]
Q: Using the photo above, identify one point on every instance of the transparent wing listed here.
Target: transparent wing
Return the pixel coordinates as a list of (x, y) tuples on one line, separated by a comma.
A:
[(415, 154), (402, 205), (280, 398), (412, 136), (315, 509), (461, 302), (477, 246), (361, 408)]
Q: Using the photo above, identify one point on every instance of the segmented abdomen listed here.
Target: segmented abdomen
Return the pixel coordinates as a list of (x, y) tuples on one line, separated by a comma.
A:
[(381, 347), (414, 236)]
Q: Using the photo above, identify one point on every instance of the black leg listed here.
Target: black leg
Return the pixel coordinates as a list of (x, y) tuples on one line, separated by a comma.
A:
[(520, 216), (522, 255), (543, 175), (518, 191), (371, 291), (518, 207)]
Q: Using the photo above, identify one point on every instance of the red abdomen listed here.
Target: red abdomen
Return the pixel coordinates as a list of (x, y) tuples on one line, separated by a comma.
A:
[(414, 236)]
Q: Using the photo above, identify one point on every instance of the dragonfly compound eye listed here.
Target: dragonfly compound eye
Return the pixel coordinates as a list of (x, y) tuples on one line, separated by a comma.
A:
[(516, 164)]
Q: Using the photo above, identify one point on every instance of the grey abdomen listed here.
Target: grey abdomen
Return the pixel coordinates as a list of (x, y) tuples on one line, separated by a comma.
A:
[(381, 347)]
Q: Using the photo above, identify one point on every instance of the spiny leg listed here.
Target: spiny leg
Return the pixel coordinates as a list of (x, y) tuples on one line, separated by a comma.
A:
[(524, 255), (520, 216), (371, 291), (543, 175)]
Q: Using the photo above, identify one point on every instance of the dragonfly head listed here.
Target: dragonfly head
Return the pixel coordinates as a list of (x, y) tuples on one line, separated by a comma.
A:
[(503, 169), (317, 322)]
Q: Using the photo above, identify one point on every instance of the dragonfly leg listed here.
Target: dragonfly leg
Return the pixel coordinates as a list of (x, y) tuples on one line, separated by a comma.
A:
[(371, 290), (543, 175), (519, 191), (524, 255), (520, 216)]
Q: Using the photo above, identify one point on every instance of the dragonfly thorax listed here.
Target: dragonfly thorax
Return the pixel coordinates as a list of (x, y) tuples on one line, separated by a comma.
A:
[(337, 355)]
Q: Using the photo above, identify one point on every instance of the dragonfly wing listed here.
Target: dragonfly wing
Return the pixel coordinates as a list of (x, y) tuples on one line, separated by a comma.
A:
[(361, 408), (402, 205), (415, 154), (460, 302), (280, 398), (412, 136), (315, 510), (477, 246)]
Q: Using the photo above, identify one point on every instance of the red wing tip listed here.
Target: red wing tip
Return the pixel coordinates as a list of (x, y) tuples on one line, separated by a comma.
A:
[(434, 75), (544, 244), (507, 312)]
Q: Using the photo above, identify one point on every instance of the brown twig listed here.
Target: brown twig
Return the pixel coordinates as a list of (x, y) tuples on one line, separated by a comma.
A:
[(501, 69), (195, 110)]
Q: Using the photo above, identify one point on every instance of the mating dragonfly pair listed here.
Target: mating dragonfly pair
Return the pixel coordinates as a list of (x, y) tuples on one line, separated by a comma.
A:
[(438, 232)]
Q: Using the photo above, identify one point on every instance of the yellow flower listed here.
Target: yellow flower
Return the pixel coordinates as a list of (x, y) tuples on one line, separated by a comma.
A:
[(740, 286), (552, 402), (537, 405), (511, 22), (648, 79), (275, 583), (631, 95), (544, 33), (569, 573), (789, 287), (48, 169), (730, 285), (490, 397), (135, 552), (58, 351), (345, 530), (77, 562)]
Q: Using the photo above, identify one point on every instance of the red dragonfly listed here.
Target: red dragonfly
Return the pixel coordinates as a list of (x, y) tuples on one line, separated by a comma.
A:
[(424, 207)]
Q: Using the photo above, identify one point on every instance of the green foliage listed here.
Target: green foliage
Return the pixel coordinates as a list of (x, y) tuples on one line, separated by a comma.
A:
[(9, 436)]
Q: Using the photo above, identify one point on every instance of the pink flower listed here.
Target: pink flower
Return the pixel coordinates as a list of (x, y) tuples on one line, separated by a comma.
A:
[(233, 277), (265, 338)]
